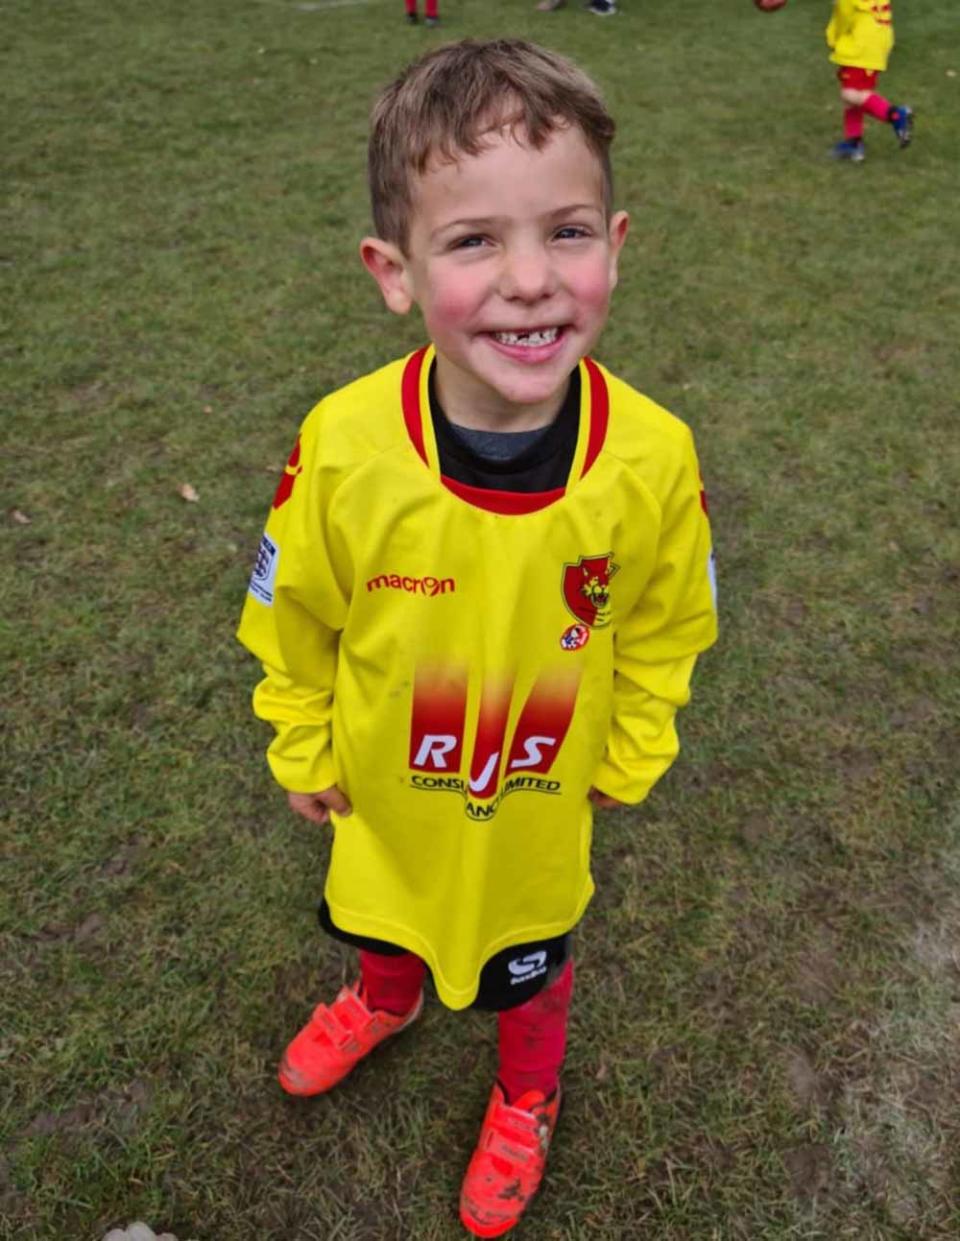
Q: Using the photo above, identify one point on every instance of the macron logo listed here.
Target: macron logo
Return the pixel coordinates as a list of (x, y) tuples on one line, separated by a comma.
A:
[(429, 586)]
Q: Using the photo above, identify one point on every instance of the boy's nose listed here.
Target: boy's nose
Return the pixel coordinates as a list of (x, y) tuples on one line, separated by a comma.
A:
[(527, 275)]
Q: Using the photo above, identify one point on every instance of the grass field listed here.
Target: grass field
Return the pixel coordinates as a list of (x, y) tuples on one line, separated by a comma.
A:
[(765, 1036)]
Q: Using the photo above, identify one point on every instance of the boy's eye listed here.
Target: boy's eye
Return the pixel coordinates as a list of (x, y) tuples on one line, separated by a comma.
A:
[(571, 232), (468, 243)]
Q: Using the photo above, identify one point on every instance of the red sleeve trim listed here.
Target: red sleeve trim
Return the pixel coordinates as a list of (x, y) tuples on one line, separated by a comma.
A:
[(509, 503), (410, 400), (599, 414)]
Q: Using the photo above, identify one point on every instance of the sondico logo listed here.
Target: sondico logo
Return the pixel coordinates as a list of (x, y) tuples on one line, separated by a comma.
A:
[(524, 968)]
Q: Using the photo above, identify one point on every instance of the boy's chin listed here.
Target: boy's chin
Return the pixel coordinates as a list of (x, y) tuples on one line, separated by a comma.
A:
[(530, 390), (523, 384)]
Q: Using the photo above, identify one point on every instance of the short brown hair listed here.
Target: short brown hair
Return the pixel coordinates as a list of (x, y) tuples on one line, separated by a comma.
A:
[(445, 102)]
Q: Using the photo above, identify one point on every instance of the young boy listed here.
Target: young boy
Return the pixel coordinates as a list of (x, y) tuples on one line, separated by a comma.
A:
[(481, 591), (860, 35)]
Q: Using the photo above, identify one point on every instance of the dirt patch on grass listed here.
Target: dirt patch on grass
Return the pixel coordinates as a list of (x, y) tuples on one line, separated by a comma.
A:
[(899, 1113), (119, 1110), (810, 1170)]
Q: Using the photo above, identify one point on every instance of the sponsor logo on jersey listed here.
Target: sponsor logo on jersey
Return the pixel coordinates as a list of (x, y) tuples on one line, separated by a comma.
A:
[(497, 766), (264, 575), (291, 472), (428, 585), (525, 968), (586, 589)]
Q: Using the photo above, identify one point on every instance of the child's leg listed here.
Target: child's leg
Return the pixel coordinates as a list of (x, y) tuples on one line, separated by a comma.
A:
[(411, 7), (858, 89), (391, 984), (385, 1000), (876, 106), (432, 11), (508, 1163), (853, 124), (533, 1039)]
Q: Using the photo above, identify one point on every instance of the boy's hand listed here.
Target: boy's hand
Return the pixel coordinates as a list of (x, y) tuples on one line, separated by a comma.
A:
[(317, 806), (603, 801)]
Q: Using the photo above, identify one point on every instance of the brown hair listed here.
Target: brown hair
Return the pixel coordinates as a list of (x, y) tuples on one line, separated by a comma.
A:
[(445, 102)]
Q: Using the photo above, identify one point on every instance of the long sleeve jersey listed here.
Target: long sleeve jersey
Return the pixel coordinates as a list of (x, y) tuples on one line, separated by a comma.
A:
[(860, 33), (466, 663)]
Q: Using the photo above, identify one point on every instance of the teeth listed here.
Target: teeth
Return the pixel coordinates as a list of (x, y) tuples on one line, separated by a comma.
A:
[(546, 336)]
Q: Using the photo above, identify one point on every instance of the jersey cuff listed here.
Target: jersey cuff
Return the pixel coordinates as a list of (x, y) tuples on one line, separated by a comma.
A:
[(303, 775)]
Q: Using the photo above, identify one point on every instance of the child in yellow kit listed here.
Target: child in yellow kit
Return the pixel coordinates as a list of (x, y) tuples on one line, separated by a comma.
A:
[(860, 36), (481, 592)]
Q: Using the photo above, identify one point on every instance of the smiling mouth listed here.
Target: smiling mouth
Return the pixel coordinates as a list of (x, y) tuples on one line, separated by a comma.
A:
[(528, 340)]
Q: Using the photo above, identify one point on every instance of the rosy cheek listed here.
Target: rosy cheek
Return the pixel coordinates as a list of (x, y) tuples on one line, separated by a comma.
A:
[(452, 301), (593, 287)]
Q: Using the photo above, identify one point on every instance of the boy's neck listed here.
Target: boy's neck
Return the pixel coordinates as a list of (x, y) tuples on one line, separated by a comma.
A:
[(475, 407)]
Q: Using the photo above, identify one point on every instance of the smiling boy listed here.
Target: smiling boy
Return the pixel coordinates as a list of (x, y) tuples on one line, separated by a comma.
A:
[(481, 591)]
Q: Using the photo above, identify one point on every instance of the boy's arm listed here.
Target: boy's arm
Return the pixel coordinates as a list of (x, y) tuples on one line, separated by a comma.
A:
[(294, 610), (656, 646), (841, 21)]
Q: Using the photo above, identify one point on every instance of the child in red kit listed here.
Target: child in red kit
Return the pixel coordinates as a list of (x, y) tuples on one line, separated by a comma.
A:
[(431, 16), (482, 589), (860, 35)]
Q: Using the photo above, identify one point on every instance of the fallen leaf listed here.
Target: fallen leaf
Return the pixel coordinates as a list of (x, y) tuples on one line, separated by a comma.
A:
[(20, 518), (208, 409), (951, 73), (188, 493)]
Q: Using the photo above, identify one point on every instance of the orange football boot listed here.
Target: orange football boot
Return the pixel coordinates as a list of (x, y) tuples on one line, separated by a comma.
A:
[(507, 1166), (335, 1038)]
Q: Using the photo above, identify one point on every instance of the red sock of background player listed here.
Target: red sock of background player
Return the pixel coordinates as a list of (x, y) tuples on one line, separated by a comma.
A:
[(877, 107), (411, 7), (391, 983), (853, 124), (533, 1039), (432, 8)]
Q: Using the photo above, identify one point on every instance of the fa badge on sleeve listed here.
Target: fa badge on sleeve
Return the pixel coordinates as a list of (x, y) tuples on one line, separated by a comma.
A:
[(265, 571)]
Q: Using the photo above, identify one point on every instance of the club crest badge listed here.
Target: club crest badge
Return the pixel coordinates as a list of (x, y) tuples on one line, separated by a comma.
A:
[(586, 589)]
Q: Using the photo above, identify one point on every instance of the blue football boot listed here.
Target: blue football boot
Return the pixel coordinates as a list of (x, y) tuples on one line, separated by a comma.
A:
[(902, 121), (851, 149)]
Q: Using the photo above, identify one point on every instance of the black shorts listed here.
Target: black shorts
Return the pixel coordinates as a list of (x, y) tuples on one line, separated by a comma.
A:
[(509, 978)]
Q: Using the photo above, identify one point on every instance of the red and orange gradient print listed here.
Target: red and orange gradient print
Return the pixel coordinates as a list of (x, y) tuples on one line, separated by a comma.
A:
[(439, 729)]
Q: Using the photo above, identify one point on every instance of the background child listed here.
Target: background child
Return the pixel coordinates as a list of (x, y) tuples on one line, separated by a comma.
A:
[(481, 592), (860, 35), (431, 14)]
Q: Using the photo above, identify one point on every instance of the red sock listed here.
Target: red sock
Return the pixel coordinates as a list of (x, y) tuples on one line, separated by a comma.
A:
[(533, 1039), (877, 107), (853, 124), (410, 6), (432, 8), (391, 983)]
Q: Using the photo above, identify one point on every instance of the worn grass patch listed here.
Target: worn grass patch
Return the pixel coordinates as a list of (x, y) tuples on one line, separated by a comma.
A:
[(764, 1037)]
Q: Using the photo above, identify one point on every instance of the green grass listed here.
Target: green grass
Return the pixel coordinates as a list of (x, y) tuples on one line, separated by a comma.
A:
[(765, 1032)]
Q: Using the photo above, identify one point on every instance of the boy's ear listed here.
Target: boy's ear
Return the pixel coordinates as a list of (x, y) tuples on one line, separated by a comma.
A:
[(386, 263), (619, 224)]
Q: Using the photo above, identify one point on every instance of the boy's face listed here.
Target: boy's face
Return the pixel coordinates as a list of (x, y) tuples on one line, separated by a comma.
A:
[(512, 261)]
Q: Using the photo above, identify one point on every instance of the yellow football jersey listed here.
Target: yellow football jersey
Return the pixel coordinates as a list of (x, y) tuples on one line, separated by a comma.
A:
[(860, 33), (466, 663)]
